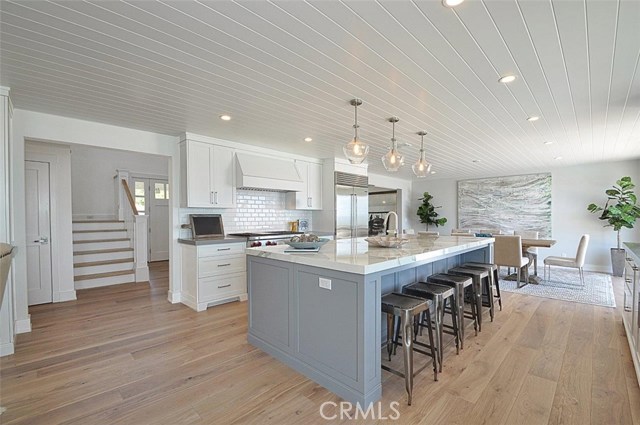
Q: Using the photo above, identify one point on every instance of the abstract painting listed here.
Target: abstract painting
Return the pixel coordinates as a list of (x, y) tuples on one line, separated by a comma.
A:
[(506, 203)]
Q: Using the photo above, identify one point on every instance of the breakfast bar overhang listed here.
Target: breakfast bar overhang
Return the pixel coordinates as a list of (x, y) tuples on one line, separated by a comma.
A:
[(320, 313)]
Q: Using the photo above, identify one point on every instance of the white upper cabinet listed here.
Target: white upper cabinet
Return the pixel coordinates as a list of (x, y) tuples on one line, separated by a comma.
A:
[(310, 198), (207, 175)]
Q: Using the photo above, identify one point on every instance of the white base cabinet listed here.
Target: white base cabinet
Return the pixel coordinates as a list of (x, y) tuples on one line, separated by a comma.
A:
[(213, 274), (631, 308)]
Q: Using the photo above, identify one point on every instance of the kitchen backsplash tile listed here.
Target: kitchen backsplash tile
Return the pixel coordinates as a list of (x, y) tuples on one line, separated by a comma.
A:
[(255, 210)]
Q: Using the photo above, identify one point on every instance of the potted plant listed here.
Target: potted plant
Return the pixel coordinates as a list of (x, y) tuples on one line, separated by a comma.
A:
[(427, 212), (620, 210)]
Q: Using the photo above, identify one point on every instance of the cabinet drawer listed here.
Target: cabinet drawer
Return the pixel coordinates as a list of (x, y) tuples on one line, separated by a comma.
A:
[(221, 249), (211, 288), (222, 264)]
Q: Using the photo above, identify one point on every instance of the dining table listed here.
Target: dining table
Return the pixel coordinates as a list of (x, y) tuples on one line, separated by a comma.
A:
[(533, 243)]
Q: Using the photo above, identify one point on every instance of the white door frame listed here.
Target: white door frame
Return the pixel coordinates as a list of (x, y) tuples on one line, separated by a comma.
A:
[(53, 218)]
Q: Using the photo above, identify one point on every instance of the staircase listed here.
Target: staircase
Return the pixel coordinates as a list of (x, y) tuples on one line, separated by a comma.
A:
[(102, 254)]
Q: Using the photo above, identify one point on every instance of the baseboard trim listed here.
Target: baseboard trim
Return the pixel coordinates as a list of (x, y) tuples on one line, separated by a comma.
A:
[(65, 296), (174, 297), (7, 349), (23, 326), (142, 274), (597, 268)]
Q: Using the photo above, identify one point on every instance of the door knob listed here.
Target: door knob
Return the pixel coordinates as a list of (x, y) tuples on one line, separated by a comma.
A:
[(43, 240)]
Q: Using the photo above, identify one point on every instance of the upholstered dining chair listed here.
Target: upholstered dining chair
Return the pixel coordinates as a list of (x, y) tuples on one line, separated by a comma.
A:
[(531, 252), (507, 251), (576, 263)]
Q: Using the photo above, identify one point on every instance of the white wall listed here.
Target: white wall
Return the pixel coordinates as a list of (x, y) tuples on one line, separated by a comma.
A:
[(573, 188), (92, 171)]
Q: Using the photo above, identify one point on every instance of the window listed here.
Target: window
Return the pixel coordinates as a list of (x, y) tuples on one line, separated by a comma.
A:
[(139, 197), (161, 191)]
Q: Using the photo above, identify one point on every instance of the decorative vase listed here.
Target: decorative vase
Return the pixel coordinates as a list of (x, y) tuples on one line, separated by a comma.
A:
[(617, 261)]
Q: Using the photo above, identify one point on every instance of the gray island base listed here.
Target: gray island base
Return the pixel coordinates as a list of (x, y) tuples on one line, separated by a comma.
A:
[(320, 313)]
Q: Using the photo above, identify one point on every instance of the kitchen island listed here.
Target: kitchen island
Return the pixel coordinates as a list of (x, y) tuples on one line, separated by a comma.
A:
[(320, 312)]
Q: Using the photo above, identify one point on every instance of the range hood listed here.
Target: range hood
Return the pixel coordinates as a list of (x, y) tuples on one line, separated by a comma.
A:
[(267, 173)]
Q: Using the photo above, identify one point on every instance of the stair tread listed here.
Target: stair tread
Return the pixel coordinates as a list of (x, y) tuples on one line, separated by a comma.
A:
[(102, 240), (103, 263), (101, 275), (102, 251), (98, 221), (99, 230)]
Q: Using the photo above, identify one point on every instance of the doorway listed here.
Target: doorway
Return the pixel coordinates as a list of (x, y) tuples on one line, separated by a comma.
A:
[(38, 232), (151, 197)]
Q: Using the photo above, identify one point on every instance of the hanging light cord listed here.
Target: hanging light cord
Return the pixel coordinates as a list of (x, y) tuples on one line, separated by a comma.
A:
[(421, 143), (355, 126)]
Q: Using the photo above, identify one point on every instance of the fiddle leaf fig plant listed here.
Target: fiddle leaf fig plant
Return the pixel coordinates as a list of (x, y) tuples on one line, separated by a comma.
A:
[(621, 209), (427, 212)]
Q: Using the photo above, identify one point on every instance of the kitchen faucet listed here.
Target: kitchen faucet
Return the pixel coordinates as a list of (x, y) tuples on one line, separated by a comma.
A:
[(386, 222)]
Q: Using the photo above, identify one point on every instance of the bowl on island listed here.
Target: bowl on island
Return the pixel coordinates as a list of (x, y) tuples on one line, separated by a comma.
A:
[(309, 241), (387, 241)]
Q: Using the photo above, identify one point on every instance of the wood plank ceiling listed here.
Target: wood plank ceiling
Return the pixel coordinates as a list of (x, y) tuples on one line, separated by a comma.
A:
[(285, 70)]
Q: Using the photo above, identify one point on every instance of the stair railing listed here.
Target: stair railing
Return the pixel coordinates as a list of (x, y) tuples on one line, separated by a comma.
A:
[(136, 226)]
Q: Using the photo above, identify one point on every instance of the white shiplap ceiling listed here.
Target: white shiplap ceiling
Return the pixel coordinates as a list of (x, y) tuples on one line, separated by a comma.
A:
[(285, 70)]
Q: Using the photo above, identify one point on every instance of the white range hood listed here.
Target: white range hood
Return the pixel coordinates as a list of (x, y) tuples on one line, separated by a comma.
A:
[(267, 173)]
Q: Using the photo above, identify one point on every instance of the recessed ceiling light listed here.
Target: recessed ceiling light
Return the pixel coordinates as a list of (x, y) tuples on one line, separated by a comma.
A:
[(548, 143), (476, 160), (451, 3), (225, 117), (432, 172), (557, 158), (308, 139), (507, 79), (533, 118)]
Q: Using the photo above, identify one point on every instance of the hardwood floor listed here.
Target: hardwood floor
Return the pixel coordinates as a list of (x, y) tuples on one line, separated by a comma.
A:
[(123, 354)]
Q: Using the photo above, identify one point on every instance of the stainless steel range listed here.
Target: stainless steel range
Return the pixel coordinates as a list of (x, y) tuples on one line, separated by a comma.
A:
[(266, 238)]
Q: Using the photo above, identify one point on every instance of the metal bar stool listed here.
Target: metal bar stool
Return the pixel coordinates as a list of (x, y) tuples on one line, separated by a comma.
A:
[(439, 295), (407, 308), (493, 276), (487, 287), (459, 284), (476, 275)]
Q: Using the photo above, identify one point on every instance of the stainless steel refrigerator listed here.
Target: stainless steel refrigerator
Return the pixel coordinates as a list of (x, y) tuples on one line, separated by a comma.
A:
[(352, 206)]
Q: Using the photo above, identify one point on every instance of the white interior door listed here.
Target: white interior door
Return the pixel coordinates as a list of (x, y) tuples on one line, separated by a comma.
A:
[(151, 197), (159, 221), (38, 226)]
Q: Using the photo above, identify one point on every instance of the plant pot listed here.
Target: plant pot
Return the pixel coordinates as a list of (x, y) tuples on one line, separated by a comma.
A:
[(617, 261)]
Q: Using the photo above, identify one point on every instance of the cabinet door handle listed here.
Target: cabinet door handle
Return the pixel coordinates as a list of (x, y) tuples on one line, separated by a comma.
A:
[(224, 286), (211, 198), (224, 265), (224, 249), (215, 197), (309, 201)]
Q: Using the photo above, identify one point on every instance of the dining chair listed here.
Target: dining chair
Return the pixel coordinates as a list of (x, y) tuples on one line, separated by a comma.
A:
[(575, 263), (530, 252), (507, 251)]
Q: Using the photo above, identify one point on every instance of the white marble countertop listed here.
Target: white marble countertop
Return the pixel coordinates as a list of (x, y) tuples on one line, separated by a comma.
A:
[(357, 256)]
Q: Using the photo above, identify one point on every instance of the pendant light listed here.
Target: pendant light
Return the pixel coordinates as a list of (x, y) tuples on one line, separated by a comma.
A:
[(421, 168), (355, 150), (393, 159)]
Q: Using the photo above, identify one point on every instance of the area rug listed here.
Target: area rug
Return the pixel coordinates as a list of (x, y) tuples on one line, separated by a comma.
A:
[(565, 285)]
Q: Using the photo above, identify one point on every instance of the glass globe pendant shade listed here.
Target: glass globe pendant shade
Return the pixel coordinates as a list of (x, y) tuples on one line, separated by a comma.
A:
[(421, 168), (393, 159), (355, 151)]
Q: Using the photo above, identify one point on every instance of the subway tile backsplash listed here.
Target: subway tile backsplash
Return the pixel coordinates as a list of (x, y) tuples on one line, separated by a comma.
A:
[(255, 210)]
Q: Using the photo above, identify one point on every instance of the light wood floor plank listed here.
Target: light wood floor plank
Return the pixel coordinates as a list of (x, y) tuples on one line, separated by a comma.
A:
[(124, 355)]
